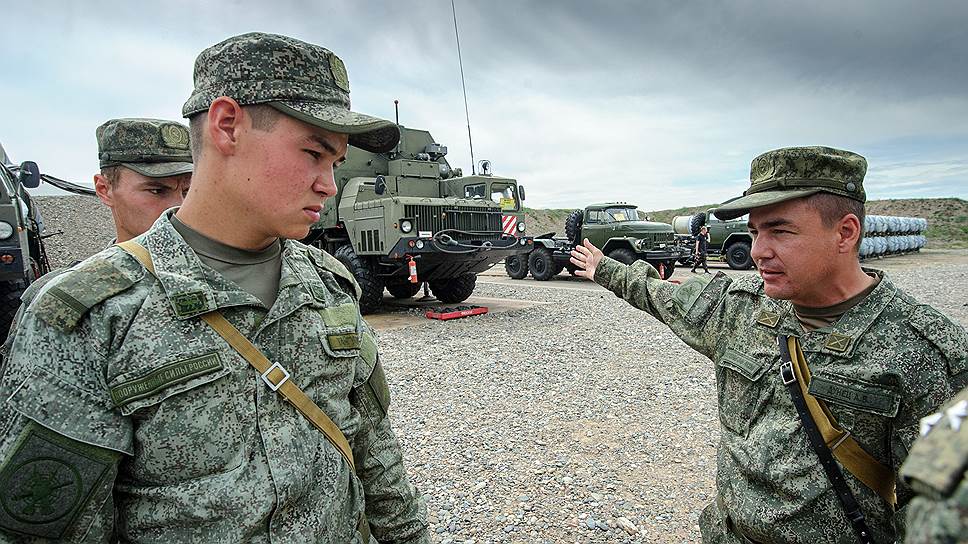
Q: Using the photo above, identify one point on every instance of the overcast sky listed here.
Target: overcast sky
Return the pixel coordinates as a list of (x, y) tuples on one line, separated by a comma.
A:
[(662, 104)]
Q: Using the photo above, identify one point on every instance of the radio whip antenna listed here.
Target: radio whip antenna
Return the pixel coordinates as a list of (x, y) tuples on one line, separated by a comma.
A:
[(463, 85)]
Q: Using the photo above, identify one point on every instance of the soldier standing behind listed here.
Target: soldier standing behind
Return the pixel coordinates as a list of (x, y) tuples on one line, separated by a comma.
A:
[(937, 469), (131, 408), (702, 244), (878, 361)]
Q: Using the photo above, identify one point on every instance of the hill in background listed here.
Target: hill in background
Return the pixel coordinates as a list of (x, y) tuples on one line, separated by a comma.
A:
[(947, 218)]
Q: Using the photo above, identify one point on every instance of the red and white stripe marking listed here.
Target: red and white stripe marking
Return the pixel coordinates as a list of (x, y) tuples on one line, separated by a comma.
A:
[(509, 223)]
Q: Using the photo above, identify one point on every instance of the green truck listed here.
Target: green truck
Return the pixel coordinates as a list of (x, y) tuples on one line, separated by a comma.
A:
[(614, 227), (407, 217), (729, 241), (23, 257)]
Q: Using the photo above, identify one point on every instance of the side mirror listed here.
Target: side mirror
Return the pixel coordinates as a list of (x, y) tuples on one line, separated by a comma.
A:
[(521, 191), (29, 175), (380, 186)]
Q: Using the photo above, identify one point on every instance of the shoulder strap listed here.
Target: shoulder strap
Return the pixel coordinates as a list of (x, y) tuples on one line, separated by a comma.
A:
[(789, 373), (273, 374)]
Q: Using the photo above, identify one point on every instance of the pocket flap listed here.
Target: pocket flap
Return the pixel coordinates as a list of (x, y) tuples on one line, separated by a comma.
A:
[(750, 368), (149, 386), (859, 394)]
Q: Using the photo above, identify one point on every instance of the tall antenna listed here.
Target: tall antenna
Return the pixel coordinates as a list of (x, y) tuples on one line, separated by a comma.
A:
[(463, 85)]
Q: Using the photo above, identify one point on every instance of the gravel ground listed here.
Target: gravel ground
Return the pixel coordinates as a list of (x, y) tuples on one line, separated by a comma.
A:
[(583, 420)]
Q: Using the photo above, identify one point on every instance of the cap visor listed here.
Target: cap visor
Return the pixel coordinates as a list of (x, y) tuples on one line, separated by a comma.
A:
[(742, 205), (366, 132), (159, 169)]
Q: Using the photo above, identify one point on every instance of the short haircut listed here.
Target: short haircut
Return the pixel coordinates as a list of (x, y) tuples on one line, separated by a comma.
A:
[(264, 118), (833, 208), (112, 174)]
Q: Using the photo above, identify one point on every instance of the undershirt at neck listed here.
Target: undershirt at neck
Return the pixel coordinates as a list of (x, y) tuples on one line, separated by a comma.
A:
[(256, 272), (816, 318)]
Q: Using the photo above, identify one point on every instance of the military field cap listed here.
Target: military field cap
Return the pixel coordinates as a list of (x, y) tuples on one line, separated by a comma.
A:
[(300, 79), (152, 147), (795, 172)]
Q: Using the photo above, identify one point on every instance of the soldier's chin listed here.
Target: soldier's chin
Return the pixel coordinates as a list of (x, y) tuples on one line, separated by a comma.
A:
[(296, 232), (776, 292)]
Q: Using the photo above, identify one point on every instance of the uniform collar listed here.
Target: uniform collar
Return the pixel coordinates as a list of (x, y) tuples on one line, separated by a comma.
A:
[(840, 338), (194, 289)]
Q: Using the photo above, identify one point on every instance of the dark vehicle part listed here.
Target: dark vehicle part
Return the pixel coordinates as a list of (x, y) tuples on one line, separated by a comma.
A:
[(738, 256), (516, 266), (542, 264), (403, 289), (371, 285), (457, 289), (573, 226)]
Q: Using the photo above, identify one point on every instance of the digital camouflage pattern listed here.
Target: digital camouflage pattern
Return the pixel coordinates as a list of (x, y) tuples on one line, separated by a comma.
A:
[(936, 469), (300, 79), (794, 172), (110, 362), (152, 147), (880, 368)]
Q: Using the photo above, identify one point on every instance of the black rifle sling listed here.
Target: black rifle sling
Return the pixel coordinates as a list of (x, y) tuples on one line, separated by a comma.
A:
[(830, 466)]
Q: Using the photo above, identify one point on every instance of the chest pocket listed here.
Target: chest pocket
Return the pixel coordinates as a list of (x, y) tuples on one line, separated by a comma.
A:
[(740, 388), (170, 447)]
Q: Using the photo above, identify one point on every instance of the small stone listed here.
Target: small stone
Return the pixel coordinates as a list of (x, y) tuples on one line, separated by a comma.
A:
[(590, 523), (627, 525)]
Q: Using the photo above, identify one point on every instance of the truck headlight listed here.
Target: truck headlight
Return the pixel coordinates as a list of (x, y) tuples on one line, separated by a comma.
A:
[(521, 226), (6, 230), (406, 225)]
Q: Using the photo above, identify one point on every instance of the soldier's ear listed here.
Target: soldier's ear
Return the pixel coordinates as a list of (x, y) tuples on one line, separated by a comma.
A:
[(224, 125), (849, 233), (102, 187)]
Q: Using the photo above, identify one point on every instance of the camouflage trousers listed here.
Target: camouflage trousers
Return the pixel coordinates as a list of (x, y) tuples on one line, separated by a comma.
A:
[(717, 528)]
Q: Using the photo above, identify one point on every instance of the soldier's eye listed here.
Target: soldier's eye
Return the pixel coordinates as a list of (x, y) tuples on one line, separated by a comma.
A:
[(315, 154)]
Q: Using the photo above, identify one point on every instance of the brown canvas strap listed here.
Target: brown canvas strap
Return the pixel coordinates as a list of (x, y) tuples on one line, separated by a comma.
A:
[(273, 374), (846, 450)]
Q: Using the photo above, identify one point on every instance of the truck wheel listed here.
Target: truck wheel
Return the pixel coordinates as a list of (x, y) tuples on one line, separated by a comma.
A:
[(10, 292), (696, 222), (623, 255), (573, 226), (516, 266), (541, 264), (738, 256), (453, 290), (403, 289), (371, 285)]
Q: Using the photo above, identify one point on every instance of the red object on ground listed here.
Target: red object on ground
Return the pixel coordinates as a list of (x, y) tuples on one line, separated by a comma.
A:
[(453, 313)]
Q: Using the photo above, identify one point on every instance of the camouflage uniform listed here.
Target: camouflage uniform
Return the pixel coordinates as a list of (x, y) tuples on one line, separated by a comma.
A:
[(881, 367), (127, 417), (936, 470)]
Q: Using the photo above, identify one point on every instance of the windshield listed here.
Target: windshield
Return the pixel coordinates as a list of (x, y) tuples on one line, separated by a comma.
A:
[(505, 194), (618, 215)]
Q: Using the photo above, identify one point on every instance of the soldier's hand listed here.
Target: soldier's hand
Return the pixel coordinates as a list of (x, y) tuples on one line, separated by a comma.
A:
[(586, 257)]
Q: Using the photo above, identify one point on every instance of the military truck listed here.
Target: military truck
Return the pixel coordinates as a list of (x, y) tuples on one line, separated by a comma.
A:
[(728, 240), (614, 227), (407, 217), (23, 257)]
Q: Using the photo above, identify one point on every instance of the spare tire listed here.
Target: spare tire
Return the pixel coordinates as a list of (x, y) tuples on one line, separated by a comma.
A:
[(573, 226), (696, 222)]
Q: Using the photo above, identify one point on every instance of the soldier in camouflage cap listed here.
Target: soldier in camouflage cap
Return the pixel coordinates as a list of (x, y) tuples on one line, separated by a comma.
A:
[(878, 360), (146, 167), (127, 416)]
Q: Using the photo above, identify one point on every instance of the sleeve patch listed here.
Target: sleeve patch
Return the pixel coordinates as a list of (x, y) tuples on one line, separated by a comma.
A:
[(688, 293), (48, 480), (67, 300)]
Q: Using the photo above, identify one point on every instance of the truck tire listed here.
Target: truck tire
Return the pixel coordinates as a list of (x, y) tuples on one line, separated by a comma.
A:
[(738, 256), (516, 266), (10, 292), (623, 255), (696, 222), (573, 226), (453, 290), (371, 285), (541, 263), (403, 289)]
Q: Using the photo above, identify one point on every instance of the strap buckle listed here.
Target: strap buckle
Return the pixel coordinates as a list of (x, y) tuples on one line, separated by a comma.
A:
[(275, 386), (787, 374), (840, 440)]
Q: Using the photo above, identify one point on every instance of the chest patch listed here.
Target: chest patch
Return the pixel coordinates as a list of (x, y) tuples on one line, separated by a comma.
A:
[(837, 342), (166, 376), (768, 319), (189, 304), (349, 340)]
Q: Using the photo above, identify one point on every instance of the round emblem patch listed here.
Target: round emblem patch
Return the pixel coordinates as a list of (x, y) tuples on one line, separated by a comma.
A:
[(175, 136), (851, 187), (338, 69), (41, 491)]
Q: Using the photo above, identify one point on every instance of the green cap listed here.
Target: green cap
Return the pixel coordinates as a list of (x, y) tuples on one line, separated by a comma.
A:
[(795, 172), (152, 147), (300, 79)]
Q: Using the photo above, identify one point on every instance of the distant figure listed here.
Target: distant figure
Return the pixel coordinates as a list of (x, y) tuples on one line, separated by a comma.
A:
[(702, 244)]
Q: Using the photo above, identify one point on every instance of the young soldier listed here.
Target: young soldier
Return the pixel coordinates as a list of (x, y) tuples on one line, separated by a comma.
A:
[(879, 360), (133, 411)]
